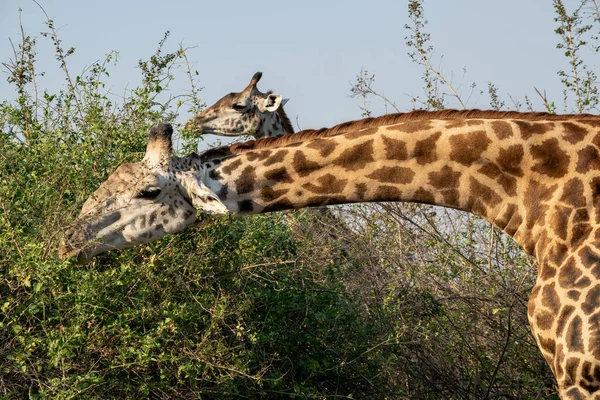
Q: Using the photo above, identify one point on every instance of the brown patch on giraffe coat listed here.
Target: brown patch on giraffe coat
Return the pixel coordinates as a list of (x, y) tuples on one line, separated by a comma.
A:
[(463, 123), (360, 133), (590, 261), (283, 204), (573, 193), (387, 193), (394, 149), (588, 159), (547, 271), (573, 133), (508, 183), (547, 344), (279, 175), (268, 194), (550, 298), (571, 277), (278, 157), (574, 295), (412, 126), (425, 150), (361, 191), (592, 300), (324, 146), (325, 200), (574, 336), (258, 155), (327, 184), (528, 129), (502, 129), (594, 339), (399, 175), (356, 157), (550, 159), (544, 320), (563, 318), (531, 303), (482, 197), (303, 166), (245, 182), (424, 196), (446, 177), (229, 168), (451, 197), (579, 233), (571, 367), (468, 148), (535, 196), (560, 221), (510, 159)]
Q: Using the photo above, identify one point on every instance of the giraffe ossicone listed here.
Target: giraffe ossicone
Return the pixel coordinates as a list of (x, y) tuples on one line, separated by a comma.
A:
[(534, 175), (249, 112)]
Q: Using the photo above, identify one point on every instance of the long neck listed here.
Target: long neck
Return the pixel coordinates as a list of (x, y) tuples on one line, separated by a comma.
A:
[(509, 171)]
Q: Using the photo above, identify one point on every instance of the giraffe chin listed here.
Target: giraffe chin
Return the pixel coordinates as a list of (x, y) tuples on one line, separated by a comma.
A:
[(78, 256)]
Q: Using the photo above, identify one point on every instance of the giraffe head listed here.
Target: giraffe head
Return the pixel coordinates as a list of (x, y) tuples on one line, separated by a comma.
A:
[(140, 202), (249, 112)]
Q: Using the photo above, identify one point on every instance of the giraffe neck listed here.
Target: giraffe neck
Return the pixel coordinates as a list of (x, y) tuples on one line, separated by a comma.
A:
[(275, 124), (508, 168)]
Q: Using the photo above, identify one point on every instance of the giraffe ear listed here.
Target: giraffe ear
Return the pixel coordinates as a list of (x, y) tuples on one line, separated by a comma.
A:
[(269, 103), (203, 199)]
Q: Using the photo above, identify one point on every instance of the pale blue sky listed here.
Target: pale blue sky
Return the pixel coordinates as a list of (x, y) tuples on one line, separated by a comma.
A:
[(310, 51)]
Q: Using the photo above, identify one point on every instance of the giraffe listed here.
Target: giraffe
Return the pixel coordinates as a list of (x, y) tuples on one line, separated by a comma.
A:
[(534, 175), (248, 112)]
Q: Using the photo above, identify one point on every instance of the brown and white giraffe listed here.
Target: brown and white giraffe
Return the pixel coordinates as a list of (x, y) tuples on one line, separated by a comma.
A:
[(536, 176), (249, 112)]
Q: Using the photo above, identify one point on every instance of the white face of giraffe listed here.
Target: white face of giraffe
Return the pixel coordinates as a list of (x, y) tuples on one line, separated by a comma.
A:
[(248, 112), (140, 202)]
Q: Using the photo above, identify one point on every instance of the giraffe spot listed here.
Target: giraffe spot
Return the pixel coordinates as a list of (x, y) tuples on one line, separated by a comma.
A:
[(586, 371), (424, 196), (591, 300), (593, 331), (257, 155), (563, 317), (570, 277), (579, 233), (399, 175), (425, 150), (411, 126), (462, 123), (588, 159), (451, 197), (508, 183), (143, 222), (544, 320), (502, 129), (573, 133), (268, 194), (327, 184), (536, 194), (575, 335), (547, 272), (550, 159), (467, 148), (574, 295), (356, 157), (560, 221), (528, 129), (278, 157), (152, 218), (223, 192), (573, 193), (360, 133), (165, 221), (571, 367), (172, 211), (394, 149), (361, 191), (482, 197), (557, 253), (245, 182), (158, 227), (387, 193), (214, 175), (282, 204), (325, 200), (590, 387), (548, 345), (558, 361), (510, 159), (279, 175), (531, 303), (324, 146), (245, 206), (590, 260), (232, 166), (446, 177), (550, 298), (502, 220)]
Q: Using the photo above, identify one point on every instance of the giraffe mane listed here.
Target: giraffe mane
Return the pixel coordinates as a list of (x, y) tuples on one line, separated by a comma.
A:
[(412, 116)]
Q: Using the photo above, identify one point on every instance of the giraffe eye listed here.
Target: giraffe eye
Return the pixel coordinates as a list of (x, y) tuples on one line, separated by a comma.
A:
[(148, 193), (238, 107)]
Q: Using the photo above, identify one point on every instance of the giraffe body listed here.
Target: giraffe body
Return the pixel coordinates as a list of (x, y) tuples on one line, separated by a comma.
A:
[(536, 176)]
